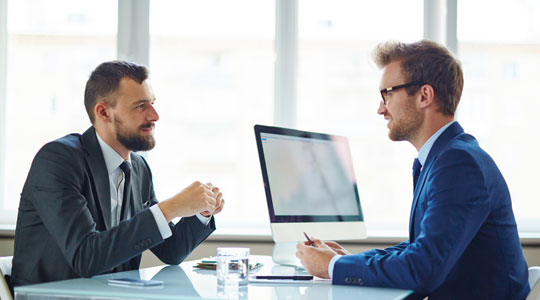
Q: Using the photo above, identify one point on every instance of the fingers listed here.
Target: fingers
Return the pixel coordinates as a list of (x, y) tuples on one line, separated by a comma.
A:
[(300, 250), (212, 196), (315, 260), (332, 244), (220, 207), (304, 249), (337, 248), (318, 243)]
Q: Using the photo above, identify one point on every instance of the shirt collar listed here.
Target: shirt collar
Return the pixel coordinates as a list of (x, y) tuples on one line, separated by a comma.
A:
[(112, 159), (424, 151)]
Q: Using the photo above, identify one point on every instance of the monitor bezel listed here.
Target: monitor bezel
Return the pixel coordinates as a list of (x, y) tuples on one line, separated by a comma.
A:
[(310, 135)]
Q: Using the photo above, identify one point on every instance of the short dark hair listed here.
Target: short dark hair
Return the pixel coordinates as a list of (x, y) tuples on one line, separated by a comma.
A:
[(104, 81), (426, 61)]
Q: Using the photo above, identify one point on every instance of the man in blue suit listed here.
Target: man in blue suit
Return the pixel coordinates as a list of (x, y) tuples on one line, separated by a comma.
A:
[(463, 240)]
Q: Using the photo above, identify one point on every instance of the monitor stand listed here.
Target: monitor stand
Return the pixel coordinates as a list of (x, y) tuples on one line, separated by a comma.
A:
[(284, 253)]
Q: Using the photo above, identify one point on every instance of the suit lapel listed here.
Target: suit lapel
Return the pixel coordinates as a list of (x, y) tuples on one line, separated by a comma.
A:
[(451, 132), (99, 173)]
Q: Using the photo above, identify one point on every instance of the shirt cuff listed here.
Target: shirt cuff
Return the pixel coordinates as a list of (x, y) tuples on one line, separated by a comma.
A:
[(203, 219), (331, 265), (161, 222)]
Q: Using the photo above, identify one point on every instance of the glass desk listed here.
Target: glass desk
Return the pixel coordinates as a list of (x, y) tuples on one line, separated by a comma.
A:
[(184, 282)]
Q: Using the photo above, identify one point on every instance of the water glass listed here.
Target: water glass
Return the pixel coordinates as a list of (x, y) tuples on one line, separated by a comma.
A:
[(232, 266)]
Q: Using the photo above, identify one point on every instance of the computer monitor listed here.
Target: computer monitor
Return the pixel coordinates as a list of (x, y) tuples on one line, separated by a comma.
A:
[(310, 187)]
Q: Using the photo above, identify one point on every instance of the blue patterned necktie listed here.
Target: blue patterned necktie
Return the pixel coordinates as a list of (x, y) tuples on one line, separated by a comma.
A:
[(416, 171)]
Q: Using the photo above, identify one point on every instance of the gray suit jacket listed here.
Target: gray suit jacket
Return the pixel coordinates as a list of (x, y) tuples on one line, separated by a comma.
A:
[(64, 224)]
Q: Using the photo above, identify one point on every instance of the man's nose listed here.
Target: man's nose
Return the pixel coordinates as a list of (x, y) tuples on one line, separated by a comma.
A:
[(154, 116), (382, 109)]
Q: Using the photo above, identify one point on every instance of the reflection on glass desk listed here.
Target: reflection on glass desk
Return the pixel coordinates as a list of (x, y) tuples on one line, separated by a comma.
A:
[(184, 282)]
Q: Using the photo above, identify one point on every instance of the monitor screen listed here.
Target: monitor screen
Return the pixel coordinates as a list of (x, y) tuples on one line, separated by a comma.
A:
[(310, 176), (309, 183)]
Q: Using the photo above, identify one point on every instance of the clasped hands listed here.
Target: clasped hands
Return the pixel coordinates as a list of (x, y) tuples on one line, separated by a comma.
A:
[(316, 258), (198, 197)]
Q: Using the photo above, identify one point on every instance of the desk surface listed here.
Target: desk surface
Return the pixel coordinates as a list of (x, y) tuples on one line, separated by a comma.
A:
[(184, 282)]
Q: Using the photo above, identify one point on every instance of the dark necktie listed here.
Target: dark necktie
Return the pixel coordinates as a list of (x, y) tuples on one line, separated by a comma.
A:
[(416, 172), (126, 168)]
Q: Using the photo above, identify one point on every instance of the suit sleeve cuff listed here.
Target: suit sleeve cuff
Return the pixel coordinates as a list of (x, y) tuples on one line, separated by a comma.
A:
[(203, 219), (161, 222), (331, 265)]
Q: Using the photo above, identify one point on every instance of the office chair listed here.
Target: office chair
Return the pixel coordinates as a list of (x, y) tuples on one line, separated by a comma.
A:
[(534, 275), (5, 272)]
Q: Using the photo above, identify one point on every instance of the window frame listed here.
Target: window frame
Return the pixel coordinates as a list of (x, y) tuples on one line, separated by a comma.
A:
[(133, 43)]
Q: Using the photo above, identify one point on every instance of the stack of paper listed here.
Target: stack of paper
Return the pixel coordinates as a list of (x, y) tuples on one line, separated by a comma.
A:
[(210, 264)]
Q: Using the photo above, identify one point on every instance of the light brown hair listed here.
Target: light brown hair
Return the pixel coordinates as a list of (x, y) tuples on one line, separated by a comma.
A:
[(426, 61)]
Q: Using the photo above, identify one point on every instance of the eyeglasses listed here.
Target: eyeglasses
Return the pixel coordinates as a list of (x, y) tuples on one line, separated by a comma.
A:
[(386, 90)]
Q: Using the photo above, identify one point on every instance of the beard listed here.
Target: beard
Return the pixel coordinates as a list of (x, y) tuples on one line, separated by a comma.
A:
[(133, 140), (407, 127)]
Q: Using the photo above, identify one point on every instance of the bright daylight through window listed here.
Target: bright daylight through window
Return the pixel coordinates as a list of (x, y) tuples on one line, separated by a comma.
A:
[(213, 73), (52, 48)]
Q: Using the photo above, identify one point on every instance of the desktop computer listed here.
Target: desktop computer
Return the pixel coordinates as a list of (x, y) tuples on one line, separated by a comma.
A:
[(310, 187)]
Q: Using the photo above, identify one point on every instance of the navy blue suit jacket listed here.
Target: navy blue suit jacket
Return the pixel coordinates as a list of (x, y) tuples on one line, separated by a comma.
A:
[(64, 224), (463, 240)]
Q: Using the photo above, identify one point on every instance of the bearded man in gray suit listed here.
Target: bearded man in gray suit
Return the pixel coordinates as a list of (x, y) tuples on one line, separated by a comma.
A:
[(88, 206)]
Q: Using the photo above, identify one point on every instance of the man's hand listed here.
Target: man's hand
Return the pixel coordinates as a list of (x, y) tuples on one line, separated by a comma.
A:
[(219, 202), (337, 248), (316, 258), (196, 198)]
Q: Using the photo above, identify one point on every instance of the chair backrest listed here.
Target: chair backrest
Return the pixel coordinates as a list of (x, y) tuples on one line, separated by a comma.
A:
[(5, 270), (534, 283)]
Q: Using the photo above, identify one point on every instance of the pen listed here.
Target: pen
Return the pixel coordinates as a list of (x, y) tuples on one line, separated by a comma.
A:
[(309, 240), (293, 277)]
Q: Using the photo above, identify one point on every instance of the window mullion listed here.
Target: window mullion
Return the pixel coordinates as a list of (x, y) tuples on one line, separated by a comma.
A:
[(451, 26), (134, 31), (286, 63), (3, 100), (434, 20)]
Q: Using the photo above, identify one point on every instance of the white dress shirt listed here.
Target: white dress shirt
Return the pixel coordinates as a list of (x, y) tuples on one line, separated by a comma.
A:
[(116, 184)]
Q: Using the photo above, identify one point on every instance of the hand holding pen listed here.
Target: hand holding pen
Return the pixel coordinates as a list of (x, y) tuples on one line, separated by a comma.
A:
[(332, 245), (310, 242)]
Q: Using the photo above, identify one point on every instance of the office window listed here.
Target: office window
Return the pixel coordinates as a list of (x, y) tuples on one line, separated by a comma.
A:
[(53, 45), (338, 93), (212, 70), (500, 104)]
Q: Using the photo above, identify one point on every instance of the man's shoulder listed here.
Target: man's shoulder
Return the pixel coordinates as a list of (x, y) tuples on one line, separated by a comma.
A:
[(72, 140), (62, 159), (466, 144), (71, 143), (464, 150)]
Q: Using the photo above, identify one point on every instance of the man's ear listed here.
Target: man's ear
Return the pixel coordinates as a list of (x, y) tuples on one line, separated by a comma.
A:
[(427, 94), (101, 112)]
